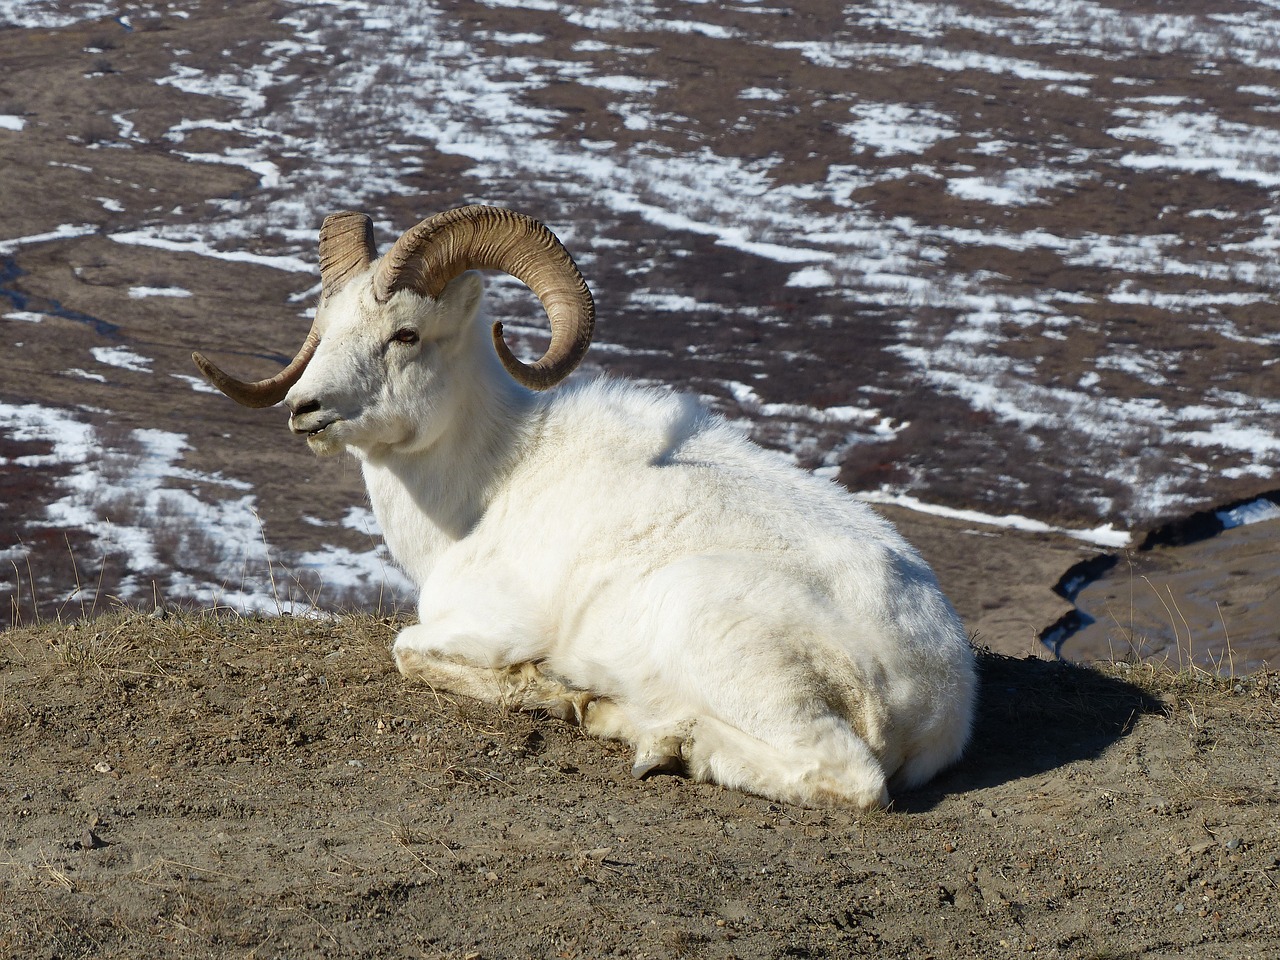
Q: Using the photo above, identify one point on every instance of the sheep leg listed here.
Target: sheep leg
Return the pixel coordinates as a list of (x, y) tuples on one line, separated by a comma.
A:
[(521, 686), (657, 750), (656, 753), (829, 764), (451, 676), (534, 690)]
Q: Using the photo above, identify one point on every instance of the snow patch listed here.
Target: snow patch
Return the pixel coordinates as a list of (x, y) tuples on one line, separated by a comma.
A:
[(122, 357), (1258, 511), (1104, 536), (139, 293)]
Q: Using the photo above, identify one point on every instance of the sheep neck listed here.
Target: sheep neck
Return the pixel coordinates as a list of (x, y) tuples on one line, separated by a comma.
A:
[(427, 500)]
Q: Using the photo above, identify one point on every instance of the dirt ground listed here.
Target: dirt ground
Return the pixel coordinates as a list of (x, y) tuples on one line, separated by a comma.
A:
[(192, 786), (195, 786), (111, 145)]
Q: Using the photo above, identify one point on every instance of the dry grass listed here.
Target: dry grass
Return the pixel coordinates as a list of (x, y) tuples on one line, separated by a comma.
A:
[(1188, 690), (274, 787), (160, 643)]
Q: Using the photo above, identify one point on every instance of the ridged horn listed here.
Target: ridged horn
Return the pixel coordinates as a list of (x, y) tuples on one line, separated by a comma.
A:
[(346, 248), (440, 248), (262, 393)]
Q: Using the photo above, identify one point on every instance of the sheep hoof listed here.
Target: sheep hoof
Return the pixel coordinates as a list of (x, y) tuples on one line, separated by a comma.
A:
[(663, 759), (646, 768), (571, 708)]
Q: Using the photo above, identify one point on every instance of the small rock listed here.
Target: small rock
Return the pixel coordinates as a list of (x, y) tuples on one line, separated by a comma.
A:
[(102, 767), (91, 841), (1233, 844)]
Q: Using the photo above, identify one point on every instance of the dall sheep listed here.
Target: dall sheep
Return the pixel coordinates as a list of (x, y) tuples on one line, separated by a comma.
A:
[(615, 555)]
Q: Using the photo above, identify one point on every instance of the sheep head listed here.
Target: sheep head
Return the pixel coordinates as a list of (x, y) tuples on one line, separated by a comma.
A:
[(389, 327)]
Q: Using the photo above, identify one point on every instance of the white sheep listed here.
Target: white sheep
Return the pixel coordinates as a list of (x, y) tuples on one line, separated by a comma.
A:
[(616, 555)]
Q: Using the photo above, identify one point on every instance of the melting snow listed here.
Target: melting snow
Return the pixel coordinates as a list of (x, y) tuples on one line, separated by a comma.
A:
[(477, 104), (138, 293), (140, 238), (50, 14), (64, 232), (892, 128), (163, 521), (1258, 511), (1104, 536), (122, 357)]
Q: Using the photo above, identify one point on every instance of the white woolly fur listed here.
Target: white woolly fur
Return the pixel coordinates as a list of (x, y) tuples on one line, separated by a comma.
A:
[(625, 559)]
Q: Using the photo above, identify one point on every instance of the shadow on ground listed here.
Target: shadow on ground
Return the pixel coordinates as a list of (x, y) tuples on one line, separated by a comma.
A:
[(1034, 716)]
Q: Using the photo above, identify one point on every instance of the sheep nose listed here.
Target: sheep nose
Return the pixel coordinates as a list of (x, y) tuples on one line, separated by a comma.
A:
[(300, 407)]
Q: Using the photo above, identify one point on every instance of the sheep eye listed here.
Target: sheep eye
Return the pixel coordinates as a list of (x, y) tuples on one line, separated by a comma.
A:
[(405, 336)]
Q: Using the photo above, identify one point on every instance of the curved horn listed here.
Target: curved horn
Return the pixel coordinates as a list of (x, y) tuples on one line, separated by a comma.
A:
[(346, 248), (439, 248), (263, 393)]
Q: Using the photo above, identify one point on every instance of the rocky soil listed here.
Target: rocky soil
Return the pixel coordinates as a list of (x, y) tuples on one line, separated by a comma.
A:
[(195, 786), (994, 187)]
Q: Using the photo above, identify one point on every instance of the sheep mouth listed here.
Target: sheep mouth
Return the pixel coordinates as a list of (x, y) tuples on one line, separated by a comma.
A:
[(324, 438), (316, 431)]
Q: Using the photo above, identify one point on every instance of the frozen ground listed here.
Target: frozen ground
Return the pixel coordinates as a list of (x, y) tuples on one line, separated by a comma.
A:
[(1011, 263)]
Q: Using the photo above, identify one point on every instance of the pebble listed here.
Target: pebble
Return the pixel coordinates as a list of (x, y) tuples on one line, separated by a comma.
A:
[(102, 767)]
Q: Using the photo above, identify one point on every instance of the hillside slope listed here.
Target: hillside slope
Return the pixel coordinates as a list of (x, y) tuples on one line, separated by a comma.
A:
[(197, 786)]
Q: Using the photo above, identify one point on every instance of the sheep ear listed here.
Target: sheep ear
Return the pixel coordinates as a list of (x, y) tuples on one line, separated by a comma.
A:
[(462, 297)]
